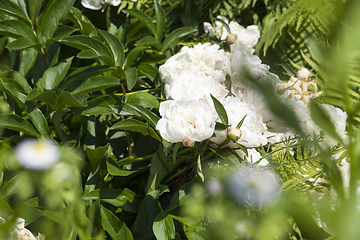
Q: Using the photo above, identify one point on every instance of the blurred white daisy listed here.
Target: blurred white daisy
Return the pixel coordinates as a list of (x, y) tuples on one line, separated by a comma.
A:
[(253, 185), (37, 154)]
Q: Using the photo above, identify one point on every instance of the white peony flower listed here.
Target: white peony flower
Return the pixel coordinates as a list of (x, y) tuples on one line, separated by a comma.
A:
[(37, 154), (186, 121), (98, 4), (190, 84), (92, 4), (113, 2), (242, 64), (246, 38), (206, 59), (338, 118), (219, 31)]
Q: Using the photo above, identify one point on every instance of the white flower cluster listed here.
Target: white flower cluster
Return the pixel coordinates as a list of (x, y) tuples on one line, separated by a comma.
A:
[(21, 233), (194, 74), (98, 4)]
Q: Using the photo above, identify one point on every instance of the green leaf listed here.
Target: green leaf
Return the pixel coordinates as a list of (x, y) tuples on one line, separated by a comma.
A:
[(56, 119), (20, 43), (191, 14), (22, 81), (93, 84), (220, 110), (97, 106), (92, 45), (63, 32), (148, 41), (132, 55), (193, 232), (115, 170), (67, 99), (136, 126), (54, 75), (323, 120), (149, 70), (146, 20), (110, 222), (116, 197), (9, 87), (38, 119), (28, 59), (145, 113), (82, 22), (14, 122), (160, 168), (124, 233), (50, 18), (49, 97), (199, 169), (97, 155), (149, 209), (160, 21), (174, 36), (10, 8), (131, 77), (180, 196), (241, 122), (115, 47), (14, 185), (164, 227), (34, 9), (17, 29), (143, 99)]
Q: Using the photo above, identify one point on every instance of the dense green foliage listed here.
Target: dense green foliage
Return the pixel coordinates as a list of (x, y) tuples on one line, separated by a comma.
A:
[(89, 81)]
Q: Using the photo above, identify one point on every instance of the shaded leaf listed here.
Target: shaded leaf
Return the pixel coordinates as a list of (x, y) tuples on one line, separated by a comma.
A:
[(131, 77), (93, 84), (174, 36), (50, 18), (146, 20), (14, 122), (160, 21), (136, 126), (115, 170)]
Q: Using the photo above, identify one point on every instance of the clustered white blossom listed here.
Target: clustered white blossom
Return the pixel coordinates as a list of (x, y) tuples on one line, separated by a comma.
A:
[(194, 74), (22, 233)]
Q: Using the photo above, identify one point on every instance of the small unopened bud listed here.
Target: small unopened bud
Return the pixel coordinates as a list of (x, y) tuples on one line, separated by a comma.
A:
[(188, 142), (234, 134), (231, 38), (303, 74)]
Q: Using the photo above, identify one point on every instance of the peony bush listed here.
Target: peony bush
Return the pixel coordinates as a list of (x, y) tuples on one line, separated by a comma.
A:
[(153, 119)]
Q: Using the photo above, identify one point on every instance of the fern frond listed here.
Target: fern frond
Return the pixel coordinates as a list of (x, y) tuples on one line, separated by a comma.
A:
[(315, 15)]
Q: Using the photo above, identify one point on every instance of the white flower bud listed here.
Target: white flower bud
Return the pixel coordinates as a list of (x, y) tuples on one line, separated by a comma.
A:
[(234, 134), (303, 74), (231, 38)]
